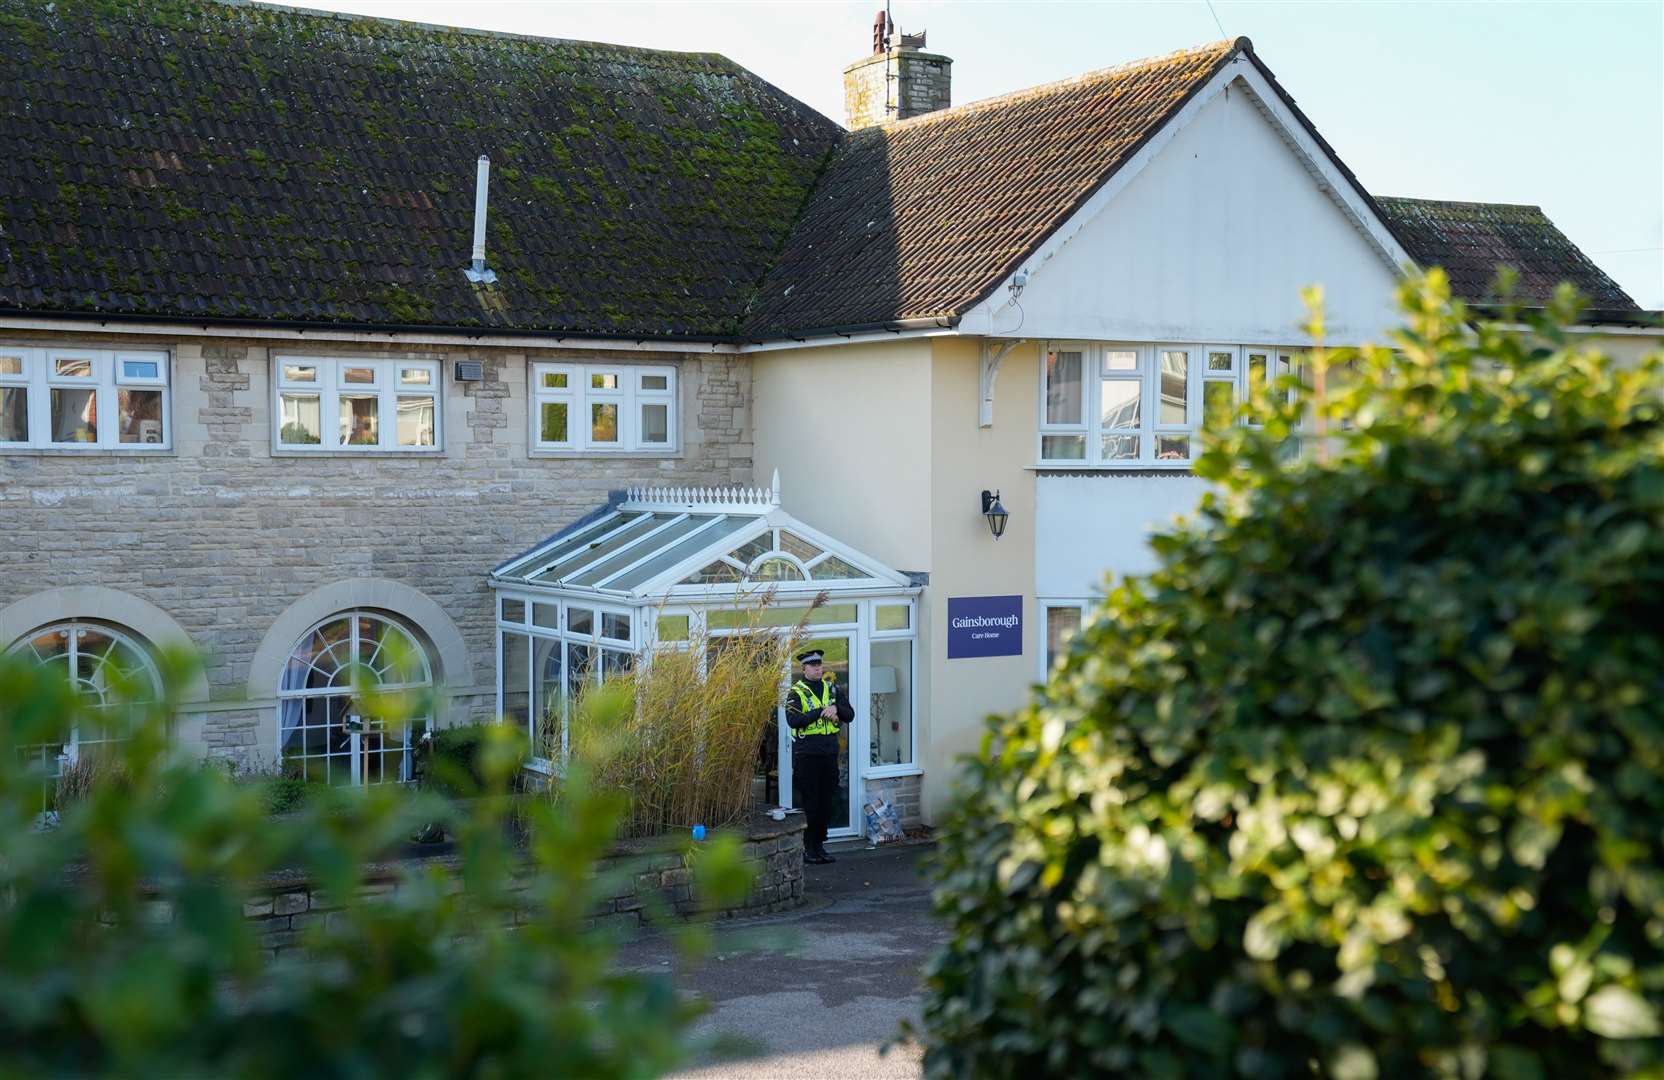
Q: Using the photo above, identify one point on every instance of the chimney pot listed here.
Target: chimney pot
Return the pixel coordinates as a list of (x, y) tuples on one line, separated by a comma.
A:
[(897, 81)]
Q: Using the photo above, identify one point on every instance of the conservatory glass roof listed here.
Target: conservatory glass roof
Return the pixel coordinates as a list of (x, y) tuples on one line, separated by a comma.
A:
[(690, 542)]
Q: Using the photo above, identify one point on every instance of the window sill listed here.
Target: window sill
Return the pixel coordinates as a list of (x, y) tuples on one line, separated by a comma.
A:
[(89, 451), (336, 452), (1182, 468), (891, 772), (662, 455)]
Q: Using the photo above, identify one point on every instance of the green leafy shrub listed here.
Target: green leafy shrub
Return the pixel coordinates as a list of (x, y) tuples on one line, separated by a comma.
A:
[(285, 793), (1367, 779), (453, 762), (124, 950)]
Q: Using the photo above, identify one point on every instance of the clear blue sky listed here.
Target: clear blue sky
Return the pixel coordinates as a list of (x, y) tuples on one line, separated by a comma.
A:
[(1557, 104)]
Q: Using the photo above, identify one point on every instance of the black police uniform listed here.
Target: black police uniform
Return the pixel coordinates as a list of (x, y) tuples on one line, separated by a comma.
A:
[(815, 754)]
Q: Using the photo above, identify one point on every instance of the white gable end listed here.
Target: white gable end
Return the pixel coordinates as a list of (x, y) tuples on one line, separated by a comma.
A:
[(1211, 240)]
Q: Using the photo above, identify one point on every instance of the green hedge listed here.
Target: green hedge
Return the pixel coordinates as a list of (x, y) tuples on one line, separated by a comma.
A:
[(1367, 779)]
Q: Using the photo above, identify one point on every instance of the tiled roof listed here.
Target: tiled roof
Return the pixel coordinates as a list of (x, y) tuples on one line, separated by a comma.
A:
[(920, 218), (184, 158), (1470, 240)]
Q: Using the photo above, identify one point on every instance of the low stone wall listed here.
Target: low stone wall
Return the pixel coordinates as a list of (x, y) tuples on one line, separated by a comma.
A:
[(289, 903)]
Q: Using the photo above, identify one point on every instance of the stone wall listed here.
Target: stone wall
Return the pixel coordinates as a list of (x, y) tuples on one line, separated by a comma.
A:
[(224, 535), (902, 792), (773, 850)]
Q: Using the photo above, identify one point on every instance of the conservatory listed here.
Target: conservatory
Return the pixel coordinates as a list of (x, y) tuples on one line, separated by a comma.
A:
[(666, 567)]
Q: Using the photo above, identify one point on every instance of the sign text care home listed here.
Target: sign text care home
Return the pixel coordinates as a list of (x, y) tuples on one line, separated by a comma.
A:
[(985, 626)]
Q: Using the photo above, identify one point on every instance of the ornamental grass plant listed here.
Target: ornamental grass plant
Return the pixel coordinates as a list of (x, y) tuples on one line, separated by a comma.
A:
[(1367, 778), (680, 735)]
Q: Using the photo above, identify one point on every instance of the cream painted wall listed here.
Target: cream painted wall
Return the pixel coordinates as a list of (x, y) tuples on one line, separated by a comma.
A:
[(863, 476), (1626, 349), (902, 481), (965, 559), (1212, 241)]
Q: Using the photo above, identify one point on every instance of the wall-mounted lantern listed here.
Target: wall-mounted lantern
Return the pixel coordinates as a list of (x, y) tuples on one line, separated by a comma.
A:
[(995, 513)]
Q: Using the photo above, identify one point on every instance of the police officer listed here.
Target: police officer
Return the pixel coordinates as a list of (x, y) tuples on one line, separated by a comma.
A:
[(816, 707)]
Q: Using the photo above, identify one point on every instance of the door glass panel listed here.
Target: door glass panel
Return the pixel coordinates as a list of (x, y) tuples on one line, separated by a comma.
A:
[(836, 663)]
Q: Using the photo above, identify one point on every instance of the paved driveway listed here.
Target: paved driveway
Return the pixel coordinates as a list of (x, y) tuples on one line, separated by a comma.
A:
[(816, 992)]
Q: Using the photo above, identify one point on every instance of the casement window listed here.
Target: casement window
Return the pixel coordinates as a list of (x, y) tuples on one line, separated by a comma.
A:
[(348, 405), (1062, 622), (1109, 405), (603, 407), (84, 399)]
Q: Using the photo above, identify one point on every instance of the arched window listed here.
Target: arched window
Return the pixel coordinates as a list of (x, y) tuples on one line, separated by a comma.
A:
[(328, 735), (110, 668)]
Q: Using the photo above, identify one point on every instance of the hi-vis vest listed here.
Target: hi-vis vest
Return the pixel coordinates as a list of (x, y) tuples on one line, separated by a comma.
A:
[(807, 702)]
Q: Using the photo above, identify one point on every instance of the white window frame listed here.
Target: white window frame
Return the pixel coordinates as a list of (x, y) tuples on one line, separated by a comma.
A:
[(1043, 647), (580, 397), (39, 378), (330, 385), (528, 627), (1067, 429), (1281, 360), (875, 636)]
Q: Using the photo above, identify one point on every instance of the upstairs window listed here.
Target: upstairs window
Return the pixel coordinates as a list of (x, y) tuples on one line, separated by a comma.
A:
[(84, 399), (603, 408), (1141, 406), (347, 405)]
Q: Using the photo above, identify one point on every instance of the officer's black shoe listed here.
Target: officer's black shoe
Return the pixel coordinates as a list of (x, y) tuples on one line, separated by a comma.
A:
[(816, 857), (822, 857)]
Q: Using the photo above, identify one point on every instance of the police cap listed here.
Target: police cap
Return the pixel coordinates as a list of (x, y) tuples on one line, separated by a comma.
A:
[(810, 656)]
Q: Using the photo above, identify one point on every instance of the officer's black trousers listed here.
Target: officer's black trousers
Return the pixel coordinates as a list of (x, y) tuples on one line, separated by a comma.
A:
[(816, 777)]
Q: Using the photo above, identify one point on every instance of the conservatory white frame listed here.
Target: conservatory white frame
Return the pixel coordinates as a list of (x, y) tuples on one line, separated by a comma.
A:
[(645, 530)]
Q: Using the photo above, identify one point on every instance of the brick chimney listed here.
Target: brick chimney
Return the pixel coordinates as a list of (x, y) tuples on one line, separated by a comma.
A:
[(898, 80)]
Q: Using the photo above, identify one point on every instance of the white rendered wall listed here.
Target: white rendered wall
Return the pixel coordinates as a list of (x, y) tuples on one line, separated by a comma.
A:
[(1212, 242), (1088, 525)]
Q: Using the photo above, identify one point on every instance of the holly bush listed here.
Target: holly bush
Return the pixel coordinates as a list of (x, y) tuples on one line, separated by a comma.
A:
[(1367, 778), (124, 950)]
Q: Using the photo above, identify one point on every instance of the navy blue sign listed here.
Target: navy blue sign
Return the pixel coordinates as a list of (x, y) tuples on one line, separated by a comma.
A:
[(985, 626)]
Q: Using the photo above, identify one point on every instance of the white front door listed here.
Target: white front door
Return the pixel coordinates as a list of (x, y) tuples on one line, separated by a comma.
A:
[(846, 809)]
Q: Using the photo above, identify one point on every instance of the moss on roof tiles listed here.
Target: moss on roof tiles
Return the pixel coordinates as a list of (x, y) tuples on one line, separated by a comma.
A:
[(1473, 240), (278, 164)]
